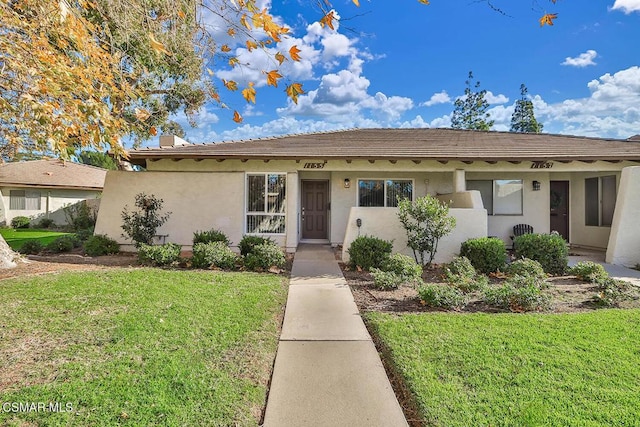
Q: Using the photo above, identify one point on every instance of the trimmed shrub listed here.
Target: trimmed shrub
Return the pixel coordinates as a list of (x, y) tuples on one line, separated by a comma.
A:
[(368, 252), (20, 222), (141, 224), (612, 292), (526, 267), (404, 266), (441, 296), (100, 245), (487, 254), (46, 223), (516, 298), (210, 236), (159, 255), (550, 250), (265, 256), (213, 254), (84, 234), (248, 242), (31, 247), (519, 281), (589, 271), (63, 244), (386, 280), (461, 274)]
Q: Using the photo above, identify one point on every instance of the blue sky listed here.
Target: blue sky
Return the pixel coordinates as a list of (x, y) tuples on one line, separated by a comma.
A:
[(402, 64)]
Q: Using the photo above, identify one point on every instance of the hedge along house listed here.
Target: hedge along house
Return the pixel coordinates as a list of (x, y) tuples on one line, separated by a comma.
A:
[(43, 188), (331, 187)]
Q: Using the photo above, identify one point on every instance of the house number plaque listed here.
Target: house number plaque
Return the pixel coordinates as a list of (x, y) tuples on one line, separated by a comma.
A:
[(314, 166), (541, 165)]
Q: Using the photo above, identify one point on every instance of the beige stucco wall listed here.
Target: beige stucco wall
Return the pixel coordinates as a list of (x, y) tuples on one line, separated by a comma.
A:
[(384, 223), (197, 201), (52, 202), (624, 241)]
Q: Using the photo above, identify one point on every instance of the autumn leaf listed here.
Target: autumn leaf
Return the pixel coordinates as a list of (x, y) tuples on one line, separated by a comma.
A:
[(157, 46), (272, 77), (237, 117), (141, 114), (293, 91), (548, 18), (225, 48), (280, 58), (209, 71), (327, 20), (153, 131), (251, 45), (231, 32), (245, 22), (293, 53), (356, 2), (234, 61), (181, 14), (423, 1), (249, 93), (230, 84)]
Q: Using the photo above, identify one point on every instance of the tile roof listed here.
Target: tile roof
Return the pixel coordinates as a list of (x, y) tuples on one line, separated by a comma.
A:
[(52, 174), (414, 144)]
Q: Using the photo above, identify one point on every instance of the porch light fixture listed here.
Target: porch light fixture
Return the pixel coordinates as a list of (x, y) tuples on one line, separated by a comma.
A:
[(536, 185), (347, 183)]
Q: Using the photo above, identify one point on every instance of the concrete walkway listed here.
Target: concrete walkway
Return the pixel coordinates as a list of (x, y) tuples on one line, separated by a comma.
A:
[(327, 370)]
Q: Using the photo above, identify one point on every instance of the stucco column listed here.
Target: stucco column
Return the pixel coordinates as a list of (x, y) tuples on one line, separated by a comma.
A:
[(459, 181), (293, 209), (624, 240)]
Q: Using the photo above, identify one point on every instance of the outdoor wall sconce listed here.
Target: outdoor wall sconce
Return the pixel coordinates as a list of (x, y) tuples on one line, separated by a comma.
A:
[(347, 183), (358, 222), (536, 185)]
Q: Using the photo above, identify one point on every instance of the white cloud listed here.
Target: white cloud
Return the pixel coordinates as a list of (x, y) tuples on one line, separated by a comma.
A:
[(627, 6), (495, 99), (437, 98), (582, 60)]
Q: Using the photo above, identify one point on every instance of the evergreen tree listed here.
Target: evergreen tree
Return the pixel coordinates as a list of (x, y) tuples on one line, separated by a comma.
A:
[(470, 111), (523, 119), (97, 158)]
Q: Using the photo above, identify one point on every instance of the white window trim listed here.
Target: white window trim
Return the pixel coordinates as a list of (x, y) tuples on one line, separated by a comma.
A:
[(413, 190), (246, 207), (493, 200)]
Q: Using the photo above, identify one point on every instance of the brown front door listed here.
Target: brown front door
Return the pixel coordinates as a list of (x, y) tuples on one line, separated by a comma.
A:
[(315, 204), (559, 203)]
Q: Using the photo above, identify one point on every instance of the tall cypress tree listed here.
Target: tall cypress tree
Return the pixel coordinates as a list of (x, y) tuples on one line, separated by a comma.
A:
[(470, 111), (523, 119)]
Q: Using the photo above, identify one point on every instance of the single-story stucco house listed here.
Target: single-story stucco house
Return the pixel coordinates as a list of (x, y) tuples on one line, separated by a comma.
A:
[(331, 187), (42, 188)]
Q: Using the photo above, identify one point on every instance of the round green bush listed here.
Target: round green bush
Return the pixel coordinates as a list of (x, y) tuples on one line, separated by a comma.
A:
[(64, 243), (550, 250), (248, 242), (159, 255), (46, 223), (368, 252), (441, 296), (517, 299), (404, 266), (386, 280), (31, 247), (213, 254), (20, 222), (210, 236), (460, 267), (526, 267), (265, 256), (487, 254), (589, 271), (100, 245)]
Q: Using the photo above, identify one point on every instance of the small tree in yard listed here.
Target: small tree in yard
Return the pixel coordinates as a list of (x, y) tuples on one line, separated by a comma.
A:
[(141, 225), (426, 221)]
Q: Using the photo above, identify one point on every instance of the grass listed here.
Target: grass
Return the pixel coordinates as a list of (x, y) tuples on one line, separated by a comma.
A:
[(139, 347), (15, 238), (518, 370)]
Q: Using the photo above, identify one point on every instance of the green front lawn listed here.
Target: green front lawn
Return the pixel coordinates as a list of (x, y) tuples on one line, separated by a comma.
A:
[(139, 347), (16, 238), (518, 370)]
